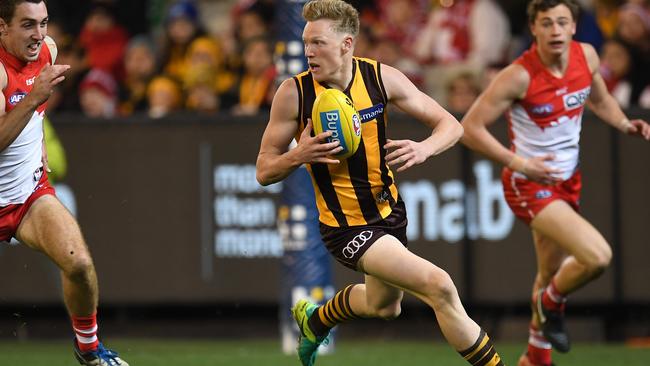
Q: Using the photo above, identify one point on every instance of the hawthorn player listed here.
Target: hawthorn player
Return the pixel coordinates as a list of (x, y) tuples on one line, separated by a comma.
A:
[(362, 218)]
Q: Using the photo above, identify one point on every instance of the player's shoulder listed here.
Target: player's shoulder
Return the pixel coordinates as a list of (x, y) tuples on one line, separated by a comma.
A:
[(591, 55), (4, 78), (286, 100), (514, 79)]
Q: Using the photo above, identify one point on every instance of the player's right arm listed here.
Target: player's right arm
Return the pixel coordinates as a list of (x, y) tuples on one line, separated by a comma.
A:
[(508, 86), (12, 123), (274, 161)]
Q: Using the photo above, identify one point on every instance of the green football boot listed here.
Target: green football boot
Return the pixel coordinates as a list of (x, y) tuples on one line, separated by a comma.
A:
[(308, 343)]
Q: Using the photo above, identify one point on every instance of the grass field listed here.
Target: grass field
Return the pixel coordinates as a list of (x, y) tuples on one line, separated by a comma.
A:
[(267, 353)]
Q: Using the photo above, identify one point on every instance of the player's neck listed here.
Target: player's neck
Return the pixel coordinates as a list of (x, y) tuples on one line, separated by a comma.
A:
[(555, 64), (343, 77)]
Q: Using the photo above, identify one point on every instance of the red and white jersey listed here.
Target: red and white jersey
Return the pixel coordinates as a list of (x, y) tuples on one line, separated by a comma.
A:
[(20, 162), (549, 118)]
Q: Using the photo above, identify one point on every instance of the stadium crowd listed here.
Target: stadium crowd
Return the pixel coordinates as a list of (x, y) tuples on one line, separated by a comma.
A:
[(218, 56)]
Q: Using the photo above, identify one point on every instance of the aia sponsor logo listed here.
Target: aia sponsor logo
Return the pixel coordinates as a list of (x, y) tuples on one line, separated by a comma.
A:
[(542, 109), (16, 97), (576, 99)]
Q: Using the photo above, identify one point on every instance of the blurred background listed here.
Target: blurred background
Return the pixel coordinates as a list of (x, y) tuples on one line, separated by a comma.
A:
[(154, 135)]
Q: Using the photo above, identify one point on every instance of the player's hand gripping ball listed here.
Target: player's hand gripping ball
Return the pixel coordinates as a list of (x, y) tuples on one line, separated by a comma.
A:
[(333, 111)]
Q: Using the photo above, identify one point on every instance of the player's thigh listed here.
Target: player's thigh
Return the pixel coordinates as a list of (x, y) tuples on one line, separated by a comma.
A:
[(550, 256), (389, 261), (573, 233), (50, 228)]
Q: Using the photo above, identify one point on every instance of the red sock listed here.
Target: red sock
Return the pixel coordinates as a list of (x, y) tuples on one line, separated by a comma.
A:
[(539, 349), (552, 298), (85, 328)]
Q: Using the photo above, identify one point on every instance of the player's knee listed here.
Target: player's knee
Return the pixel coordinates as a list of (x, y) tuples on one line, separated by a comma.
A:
[(390, 312), (598, 262), (440, 289), (81, 268)]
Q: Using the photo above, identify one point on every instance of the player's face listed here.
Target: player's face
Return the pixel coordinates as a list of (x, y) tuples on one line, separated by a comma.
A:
[(324, 49), (553, 30), (24, 36)]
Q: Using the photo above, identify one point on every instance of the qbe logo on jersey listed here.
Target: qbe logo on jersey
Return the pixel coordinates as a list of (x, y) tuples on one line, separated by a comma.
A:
[(576, 99)]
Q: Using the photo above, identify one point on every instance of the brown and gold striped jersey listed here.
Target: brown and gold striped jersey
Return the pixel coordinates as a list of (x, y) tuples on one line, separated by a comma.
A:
[(360, 190)]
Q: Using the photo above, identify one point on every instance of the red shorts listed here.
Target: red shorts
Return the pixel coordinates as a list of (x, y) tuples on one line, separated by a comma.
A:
[(12, 215), (527, 198)]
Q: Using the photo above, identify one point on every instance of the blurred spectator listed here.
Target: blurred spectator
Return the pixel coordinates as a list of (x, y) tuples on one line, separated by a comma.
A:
[(588, 30), (634, 26), (65, 95), (98, 94), (462, 90), (459, 33), (634, 30), (203, 79), (389, 52), (456, 37), (163, 96), (139, 68), (364, 43), (254, 89), (103, 39), (56, 158), (182, 26), (606, 12), (400, 21), (618, 69), (490, 72)]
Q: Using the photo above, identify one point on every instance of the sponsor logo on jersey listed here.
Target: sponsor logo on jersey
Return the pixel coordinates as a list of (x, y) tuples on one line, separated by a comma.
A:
[(561, 91), (542, 109), (356, 124), (356, 243), (16, 97), (371, 113), (30, 81), (576, 99), (544, 193)]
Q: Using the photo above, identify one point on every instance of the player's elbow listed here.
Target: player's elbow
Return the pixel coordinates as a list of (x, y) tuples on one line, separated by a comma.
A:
[(261, 177)]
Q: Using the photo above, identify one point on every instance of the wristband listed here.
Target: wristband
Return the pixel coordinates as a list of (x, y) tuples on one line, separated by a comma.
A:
[(518, 164)]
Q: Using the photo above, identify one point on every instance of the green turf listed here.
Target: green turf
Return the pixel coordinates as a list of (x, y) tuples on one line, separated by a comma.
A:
[(267, 353)]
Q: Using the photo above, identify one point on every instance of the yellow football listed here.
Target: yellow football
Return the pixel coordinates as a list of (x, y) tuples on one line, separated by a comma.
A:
[(333, 111)]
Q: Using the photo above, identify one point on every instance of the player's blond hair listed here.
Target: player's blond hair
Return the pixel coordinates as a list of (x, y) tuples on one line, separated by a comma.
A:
[(344, 15)]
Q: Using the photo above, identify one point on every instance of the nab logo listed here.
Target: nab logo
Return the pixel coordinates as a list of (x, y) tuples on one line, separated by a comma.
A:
[(16, 97), (544, 193), (542, 109), (576, 99)]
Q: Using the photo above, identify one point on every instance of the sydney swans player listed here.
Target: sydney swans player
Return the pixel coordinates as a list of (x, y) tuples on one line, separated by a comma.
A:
[(362, 217), (29, 209), (543, 94)]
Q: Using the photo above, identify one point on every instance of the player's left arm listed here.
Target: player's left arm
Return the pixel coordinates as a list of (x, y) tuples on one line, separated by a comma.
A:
[(603, 104), (407, 97)]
